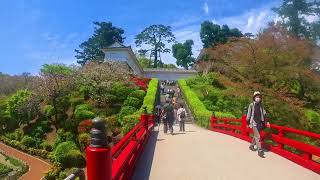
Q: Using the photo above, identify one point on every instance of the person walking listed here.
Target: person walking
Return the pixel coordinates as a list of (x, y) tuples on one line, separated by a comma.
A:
[(169, 116), (181, 114), (175, 110), (178, 92), (256, 118), (162, 88)]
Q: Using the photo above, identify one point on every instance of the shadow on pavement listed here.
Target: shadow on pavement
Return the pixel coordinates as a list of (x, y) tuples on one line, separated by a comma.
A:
[(143, 169)]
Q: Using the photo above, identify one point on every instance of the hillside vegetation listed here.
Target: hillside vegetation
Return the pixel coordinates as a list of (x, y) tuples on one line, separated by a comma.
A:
[(275, 63)]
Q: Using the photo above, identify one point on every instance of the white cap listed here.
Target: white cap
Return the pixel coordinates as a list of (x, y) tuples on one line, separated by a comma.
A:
[(256, 93)]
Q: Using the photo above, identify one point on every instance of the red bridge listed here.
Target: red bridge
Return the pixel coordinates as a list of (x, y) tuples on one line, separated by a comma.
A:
[(145, 153)]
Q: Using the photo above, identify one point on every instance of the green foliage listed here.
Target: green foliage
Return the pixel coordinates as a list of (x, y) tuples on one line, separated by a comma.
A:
[(145, 62), (149, 100), (126, 110), (46, 146), (28, 141), (129, 122), (183, 53), (82, 112), (48, 111), (133, 102), (17, 106), (55, 70), (155, 36), (4, 170), (120, 91), (198, 109), (63, 136), (314, 120), (138, 94), (293, 14), (104, 35), (84, 140), (68, 154), (212, 34)]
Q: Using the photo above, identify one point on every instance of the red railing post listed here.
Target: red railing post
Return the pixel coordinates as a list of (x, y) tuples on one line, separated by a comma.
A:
[(244, 131), (98, 154), (213, 122), (280, 133)]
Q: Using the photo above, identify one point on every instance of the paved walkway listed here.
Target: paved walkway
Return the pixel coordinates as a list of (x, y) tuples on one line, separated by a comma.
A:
[(200, 154), (37, 167)]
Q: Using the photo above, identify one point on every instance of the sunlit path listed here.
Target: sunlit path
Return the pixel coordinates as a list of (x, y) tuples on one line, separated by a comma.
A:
[(205, 155)]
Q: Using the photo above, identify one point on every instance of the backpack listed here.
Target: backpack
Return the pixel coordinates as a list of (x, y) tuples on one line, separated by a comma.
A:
[(182, 114)]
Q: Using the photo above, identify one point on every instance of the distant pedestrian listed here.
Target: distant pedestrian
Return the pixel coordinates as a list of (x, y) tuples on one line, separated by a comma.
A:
[(175, 109), (178, 92), (169, 116), (181, 115), (162, 88), (256, 118)]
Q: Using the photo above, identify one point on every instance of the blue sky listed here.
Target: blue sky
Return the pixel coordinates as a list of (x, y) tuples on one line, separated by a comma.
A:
[(34, 32)]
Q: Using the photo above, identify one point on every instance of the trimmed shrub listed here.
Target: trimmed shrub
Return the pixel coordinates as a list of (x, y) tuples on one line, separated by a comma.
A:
[(84, 140), (82, 112), (126, 110), (138, 94), (68, 154), (149, 100), (129, 122), (198, 109), (28, 141), (46, 146), (133, 102)]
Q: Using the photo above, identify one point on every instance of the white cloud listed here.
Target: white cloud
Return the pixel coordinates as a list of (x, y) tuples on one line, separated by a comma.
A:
[(251, 21), (205, 8)]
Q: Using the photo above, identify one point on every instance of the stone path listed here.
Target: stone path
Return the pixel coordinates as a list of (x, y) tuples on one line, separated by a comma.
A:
[(37, 167), (200, 154)]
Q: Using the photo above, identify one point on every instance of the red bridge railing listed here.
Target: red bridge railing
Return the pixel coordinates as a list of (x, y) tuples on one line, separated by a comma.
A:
[(118, 162), (277, 140)]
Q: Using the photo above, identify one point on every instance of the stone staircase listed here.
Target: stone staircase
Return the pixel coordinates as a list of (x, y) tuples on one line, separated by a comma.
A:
[(181, 100)]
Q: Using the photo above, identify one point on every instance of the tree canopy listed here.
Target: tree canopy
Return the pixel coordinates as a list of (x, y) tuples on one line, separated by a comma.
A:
[(155, 36), (294, 15), (183, 54), (212, 34), (104, 35)]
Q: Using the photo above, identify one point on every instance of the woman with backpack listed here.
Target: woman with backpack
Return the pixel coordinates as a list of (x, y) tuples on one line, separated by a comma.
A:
[(181, 115), (256, 118)]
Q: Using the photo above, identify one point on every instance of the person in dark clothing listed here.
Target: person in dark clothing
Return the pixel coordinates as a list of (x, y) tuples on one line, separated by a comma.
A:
[(169, 116), (256, 118)]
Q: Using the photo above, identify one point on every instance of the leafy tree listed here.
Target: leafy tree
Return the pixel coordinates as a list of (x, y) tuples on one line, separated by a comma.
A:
[(293, 14), (104, 35), (145, 62), (155, 36), (22, 107), (212, 34), (99, 80), (183, 53), (55, 85)]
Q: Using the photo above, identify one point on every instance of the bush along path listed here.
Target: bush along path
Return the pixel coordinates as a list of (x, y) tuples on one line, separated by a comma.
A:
[(37, 167)]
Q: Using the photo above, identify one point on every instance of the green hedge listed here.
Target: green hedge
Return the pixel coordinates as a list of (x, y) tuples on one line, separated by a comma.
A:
[(149, 100), (198, 109)]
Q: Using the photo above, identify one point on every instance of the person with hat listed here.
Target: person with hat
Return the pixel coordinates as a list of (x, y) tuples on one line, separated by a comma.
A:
[(256, 118)]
